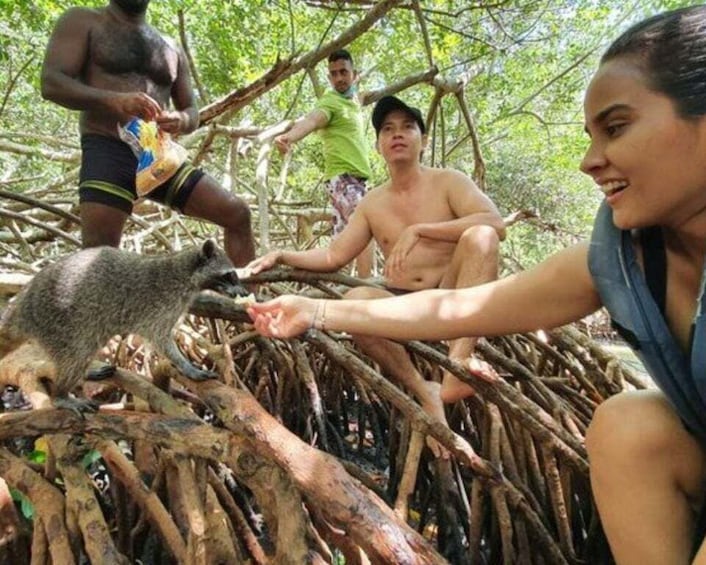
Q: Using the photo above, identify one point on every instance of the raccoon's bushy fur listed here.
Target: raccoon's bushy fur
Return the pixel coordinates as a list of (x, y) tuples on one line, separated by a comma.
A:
[(72, 307)]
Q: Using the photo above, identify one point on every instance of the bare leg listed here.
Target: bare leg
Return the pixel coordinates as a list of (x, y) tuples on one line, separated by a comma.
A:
[(475, 261), (210, 201), (101, 224), (647, 476), (365, 261), (395, 361)]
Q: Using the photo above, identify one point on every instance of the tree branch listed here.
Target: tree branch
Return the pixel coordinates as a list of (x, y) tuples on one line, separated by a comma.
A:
[(284, 69)]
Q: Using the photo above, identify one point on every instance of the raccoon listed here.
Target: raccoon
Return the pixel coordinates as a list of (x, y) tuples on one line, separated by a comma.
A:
[(72, 307)]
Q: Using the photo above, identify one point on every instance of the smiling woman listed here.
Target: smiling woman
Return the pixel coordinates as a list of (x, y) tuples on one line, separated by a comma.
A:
[(645, 113), (639, 145)]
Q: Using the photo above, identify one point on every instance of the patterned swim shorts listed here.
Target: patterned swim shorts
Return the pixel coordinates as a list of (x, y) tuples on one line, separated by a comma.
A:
[(345, 191)]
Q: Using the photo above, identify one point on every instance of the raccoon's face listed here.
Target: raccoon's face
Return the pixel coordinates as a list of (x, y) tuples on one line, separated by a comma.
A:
[(216, 272)]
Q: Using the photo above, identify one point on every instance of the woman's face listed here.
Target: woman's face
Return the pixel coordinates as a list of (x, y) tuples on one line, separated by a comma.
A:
[(649, 163)]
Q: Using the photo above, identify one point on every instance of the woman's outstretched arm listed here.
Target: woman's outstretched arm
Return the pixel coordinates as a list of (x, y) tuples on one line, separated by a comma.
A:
[(553, 293)]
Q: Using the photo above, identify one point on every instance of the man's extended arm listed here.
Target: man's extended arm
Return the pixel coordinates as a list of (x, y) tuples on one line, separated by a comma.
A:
[(452, 229), (471, 206), (341, 251), (316, 119), (532, 299), (66, 55)]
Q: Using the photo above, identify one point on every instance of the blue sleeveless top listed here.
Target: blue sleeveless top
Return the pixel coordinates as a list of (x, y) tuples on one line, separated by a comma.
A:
[(636, 315)]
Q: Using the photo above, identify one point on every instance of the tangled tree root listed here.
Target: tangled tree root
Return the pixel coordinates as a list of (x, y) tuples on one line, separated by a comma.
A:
[(303, 452)]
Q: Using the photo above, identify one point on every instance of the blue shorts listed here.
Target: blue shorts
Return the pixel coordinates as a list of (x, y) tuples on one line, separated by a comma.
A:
[(108, 176)]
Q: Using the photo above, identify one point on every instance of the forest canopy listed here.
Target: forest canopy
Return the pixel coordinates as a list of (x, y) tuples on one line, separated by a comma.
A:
[(522, 67)]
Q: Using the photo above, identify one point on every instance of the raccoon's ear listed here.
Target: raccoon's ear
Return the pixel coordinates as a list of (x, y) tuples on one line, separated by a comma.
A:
[(208, 249)]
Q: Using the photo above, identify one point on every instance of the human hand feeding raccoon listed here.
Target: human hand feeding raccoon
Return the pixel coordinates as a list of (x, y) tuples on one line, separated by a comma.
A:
[(287, 316)]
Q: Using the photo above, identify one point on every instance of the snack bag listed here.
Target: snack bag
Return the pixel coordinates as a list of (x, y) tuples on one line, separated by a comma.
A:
[(158, 156)]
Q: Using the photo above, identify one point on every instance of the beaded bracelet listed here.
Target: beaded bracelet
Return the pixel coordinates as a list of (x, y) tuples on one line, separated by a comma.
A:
[(319, 322), (315, 316), (322, 324)]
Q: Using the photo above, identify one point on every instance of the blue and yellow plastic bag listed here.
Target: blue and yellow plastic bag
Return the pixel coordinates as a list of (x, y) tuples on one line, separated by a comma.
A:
[(158, 156)]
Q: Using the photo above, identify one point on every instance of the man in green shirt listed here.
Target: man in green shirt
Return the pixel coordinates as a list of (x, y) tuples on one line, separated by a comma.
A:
[(339, 119)]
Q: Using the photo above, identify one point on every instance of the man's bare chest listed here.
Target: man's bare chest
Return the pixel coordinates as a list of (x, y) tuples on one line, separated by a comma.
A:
[(389, 222), (134, 50)]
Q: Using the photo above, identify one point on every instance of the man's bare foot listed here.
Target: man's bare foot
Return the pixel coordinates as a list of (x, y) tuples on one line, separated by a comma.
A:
[(431, 401), (453, 388), (432, 405)]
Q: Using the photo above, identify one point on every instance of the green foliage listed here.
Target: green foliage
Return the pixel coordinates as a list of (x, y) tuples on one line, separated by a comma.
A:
[(37, 456), (26, 506), (90, 458), (525, 65)]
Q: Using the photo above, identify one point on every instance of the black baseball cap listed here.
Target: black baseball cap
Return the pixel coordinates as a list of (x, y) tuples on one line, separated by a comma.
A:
[(387, 104)]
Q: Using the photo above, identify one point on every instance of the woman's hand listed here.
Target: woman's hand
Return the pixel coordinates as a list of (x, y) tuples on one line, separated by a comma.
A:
[(286, 316)]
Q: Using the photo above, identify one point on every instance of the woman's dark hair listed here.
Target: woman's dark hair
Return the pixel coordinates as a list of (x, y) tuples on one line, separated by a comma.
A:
[(671, 50)]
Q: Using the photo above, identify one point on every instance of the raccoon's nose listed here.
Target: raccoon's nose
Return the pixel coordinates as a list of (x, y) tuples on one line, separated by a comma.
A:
[(235, 288)]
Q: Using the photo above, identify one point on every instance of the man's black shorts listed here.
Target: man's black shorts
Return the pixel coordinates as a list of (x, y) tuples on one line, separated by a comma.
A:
[(108, 176)]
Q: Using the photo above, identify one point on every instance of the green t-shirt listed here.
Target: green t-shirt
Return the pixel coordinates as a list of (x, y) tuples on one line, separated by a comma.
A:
[(345, 149)]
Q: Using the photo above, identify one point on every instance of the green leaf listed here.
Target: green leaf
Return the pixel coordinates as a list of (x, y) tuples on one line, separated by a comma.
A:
[(89, 458), (37, 456), (26, 506)]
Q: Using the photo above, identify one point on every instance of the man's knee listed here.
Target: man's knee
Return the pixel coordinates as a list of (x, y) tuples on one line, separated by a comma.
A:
[(210, 201), (631, 426), (479, 242), (238, 214)]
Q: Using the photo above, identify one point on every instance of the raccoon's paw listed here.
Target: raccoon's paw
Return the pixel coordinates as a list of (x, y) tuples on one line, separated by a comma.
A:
[(79, 406), (100, 373)]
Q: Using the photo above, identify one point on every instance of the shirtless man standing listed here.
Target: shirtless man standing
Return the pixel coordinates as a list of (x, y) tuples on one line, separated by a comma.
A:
[(112, 66), (435, 228)]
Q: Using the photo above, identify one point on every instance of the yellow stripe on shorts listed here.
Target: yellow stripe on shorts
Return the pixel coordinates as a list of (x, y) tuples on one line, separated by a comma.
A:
[(176, 182), (113, 189)]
